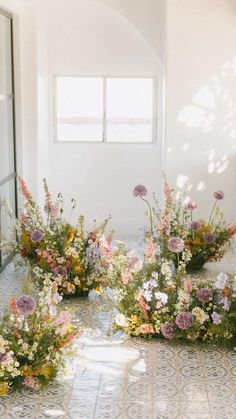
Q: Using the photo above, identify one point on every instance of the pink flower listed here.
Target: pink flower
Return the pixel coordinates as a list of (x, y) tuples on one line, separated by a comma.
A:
[(188, 286), (126, 277), (63, 318), (106, 251), (54, 211), (24, 219), (167, 189), (109, 239), (23, 188), (176, 244), (31, 382), (146, 328), (12, 305), (135, 265), (150, 251), (143, 307), (191, 205)]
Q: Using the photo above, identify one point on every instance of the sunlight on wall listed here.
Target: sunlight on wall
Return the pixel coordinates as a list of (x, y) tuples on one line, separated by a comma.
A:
[(213, 107)]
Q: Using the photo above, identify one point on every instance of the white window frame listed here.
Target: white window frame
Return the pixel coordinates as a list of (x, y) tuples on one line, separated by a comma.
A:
[(156, 111)]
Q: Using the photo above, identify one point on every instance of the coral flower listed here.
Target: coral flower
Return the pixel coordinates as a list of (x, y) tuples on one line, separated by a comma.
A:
[(12, 305)]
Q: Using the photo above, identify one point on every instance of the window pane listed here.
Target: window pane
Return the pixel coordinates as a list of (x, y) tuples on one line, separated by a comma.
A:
[(5, 56), (129, 109), (79, 109), (6, 139), (7, 192)]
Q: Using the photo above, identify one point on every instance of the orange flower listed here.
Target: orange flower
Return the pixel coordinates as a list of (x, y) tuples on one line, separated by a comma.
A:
[(12, 305), (227, 292), (232, 230)]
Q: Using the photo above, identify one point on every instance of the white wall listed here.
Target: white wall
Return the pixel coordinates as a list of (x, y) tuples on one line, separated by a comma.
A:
[(201, 98), (127, 37), (25, 87), (89, 38)]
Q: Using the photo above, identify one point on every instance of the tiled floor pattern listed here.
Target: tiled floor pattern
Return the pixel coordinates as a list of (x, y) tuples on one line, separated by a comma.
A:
[(111, 376)]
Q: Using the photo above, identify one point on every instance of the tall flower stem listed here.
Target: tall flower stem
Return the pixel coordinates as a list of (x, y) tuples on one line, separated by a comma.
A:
[(150, 213), (212, 212)]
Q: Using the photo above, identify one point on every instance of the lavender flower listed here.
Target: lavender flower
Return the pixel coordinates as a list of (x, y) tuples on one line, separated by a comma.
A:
[(176, 244), (219, 195), (140, 190), (209, 237), (37, 236), (204, 295), (184, 320), (225, 303), (221, 281), (168, 330), (26, 304), (191, 205), (216, 318), (195, 225)]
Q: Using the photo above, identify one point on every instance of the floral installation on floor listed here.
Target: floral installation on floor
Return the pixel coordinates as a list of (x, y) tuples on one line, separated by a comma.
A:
[(205, 239), (76, 259), (35, 340), (156, 299)]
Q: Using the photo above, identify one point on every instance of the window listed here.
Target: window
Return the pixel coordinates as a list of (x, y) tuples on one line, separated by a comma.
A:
[(7, 132), (106, 109)]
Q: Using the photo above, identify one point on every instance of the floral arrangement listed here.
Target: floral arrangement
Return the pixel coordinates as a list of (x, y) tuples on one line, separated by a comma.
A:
[(155, 299), (33, 340), (75, 258), (175, 224)]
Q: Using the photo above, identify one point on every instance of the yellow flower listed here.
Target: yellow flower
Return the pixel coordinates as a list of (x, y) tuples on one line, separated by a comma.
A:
[(45, 370), (134, 318), (25, 240), (25, 371), (4, 388), (99, 290)]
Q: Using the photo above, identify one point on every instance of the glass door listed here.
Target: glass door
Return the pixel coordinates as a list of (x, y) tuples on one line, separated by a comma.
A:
[(7, 129)]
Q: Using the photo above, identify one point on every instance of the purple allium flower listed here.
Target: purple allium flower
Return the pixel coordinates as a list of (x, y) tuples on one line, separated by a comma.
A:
[(209, 237), (219, 195), (26, 304), (168, 330), (176, 244), (216, 318), (140, 190), (184, 320), (191, 205), (204, 295), (195, 225), (37, 236)]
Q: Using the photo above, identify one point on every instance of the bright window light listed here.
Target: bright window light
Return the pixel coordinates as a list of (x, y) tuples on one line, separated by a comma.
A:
[(108, 109), (129, 110), (79, 113)]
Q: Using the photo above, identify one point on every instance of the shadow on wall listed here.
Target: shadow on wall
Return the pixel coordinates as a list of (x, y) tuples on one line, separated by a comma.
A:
[(213, 114)]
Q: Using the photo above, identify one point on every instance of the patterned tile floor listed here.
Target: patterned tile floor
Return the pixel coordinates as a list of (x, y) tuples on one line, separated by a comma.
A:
[(112, 376)]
